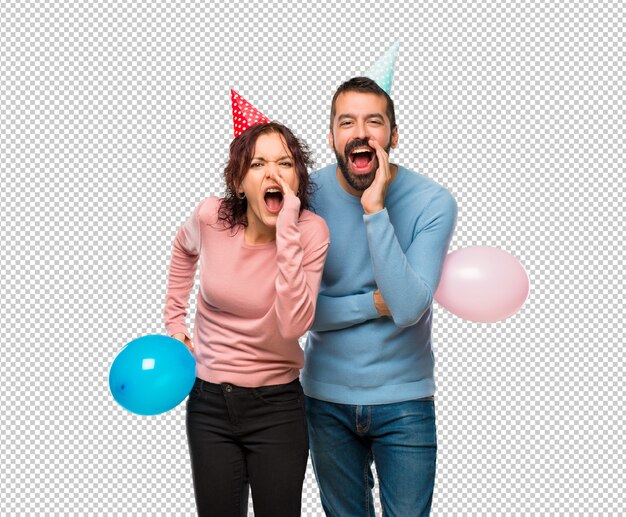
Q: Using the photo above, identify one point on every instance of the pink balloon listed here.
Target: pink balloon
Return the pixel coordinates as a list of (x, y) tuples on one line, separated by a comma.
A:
[(482, 284)]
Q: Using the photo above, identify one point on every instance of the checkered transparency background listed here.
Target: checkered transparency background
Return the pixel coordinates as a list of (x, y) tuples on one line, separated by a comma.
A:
[(115, 122)]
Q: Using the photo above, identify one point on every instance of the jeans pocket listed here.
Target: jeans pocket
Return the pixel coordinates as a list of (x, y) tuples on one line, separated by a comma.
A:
[(290, 394)]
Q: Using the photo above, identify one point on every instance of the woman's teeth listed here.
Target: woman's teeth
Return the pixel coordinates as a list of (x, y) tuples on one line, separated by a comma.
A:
[(273, 199)]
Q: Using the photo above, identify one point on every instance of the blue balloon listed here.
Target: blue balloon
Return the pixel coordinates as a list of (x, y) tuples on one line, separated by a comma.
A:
[(152, 374)]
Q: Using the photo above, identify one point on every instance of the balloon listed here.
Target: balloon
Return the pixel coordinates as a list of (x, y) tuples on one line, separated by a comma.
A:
[(482, 284), (152, 374)]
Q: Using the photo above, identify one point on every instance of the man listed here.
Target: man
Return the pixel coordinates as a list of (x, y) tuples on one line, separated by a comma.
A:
[(369, 363)]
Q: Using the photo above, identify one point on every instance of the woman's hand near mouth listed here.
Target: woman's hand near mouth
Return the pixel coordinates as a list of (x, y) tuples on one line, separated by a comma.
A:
[(286, 224), (284, 186)]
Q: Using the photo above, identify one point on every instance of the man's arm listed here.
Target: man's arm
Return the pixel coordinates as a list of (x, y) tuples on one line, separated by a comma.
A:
[(339, 312), (408, 281)]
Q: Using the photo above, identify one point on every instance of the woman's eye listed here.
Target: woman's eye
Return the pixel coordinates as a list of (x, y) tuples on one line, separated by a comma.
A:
[(286, 164), (256, 165)]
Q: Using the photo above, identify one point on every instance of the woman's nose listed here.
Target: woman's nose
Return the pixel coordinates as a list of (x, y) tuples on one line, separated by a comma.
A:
[(269, 168)]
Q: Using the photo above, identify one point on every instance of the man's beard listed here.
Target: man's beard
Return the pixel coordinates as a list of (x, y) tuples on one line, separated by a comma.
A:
[(360, 182)]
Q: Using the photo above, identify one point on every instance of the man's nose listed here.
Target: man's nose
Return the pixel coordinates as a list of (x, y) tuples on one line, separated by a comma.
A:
[(362, 131)]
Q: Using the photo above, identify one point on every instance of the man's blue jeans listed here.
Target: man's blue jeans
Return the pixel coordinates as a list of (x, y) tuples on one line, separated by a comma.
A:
[(400, 438)]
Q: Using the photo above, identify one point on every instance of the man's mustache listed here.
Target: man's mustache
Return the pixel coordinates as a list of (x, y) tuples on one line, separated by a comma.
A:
[(350, 146)]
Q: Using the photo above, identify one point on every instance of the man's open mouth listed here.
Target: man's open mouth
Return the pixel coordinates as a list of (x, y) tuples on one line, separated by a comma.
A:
[(361, 159), (273, 200)]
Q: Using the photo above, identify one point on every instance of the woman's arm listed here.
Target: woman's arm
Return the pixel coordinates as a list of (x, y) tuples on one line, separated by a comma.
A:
[(299, 269), (182, 271)]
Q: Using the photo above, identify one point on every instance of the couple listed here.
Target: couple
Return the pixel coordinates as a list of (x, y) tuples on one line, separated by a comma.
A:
[(360, 273)]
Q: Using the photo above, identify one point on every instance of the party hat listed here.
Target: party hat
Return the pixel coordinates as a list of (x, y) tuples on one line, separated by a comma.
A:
[(382, 70), (245, 114)]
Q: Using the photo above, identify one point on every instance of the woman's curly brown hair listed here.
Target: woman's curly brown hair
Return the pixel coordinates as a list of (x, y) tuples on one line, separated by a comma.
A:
[(232, 211)]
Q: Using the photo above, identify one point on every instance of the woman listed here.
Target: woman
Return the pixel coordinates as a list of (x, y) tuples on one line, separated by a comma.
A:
[(261, 255)]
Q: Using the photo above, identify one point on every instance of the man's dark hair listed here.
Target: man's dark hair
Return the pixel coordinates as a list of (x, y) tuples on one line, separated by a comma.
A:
[(363, 85)]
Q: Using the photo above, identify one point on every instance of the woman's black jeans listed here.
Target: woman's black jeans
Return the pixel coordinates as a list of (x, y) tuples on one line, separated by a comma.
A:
[(247, 437)]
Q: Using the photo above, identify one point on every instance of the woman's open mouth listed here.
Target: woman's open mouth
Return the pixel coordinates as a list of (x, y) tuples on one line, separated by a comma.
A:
[(273, 200)]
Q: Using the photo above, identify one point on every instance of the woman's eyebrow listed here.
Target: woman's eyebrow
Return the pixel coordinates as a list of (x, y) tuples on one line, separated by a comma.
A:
[(283, 157)]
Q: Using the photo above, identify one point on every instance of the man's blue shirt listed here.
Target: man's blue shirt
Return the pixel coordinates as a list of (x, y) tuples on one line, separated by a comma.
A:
[(352, 354)]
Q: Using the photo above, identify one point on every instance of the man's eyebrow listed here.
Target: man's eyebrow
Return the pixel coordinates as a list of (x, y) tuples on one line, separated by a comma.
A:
[(350, 115)]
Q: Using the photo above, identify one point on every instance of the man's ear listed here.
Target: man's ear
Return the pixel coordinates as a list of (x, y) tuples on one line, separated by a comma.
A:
[(394, 137), (331, 140)]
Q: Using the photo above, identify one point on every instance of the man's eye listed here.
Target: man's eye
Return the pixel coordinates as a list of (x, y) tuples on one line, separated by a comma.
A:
[(345, 123), (376, 122)]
